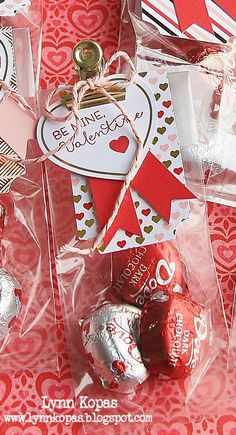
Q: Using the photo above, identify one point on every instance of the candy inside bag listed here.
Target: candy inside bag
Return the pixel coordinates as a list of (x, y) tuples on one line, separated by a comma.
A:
[(108, 358), (109, 333)]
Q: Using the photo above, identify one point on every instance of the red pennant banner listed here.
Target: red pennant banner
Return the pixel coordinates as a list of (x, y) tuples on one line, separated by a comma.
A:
[(195, 12), (228, 6), (192, 12), (158, 186), (155, 183), (105, 194)]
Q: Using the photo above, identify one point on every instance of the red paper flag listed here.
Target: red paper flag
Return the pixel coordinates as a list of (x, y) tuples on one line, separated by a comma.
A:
[(195, 12), (192, 12), (105, 194), (158, 186), (229, 6)]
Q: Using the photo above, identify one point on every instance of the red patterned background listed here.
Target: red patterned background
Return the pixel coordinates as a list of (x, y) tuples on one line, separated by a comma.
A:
[(65, 23)]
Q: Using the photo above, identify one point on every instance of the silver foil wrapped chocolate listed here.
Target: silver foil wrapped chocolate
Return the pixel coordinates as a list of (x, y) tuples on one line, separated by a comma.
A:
[(110, 338), (10, 304)]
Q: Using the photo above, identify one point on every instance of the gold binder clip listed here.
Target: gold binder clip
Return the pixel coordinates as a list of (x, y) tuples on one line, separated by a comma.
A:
[(88, 62)]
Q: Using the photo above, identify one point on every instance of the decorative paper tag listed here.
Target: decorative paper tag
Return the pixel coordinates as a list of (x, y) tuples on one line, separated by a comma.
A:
[(9, 8), (7, 58), (106, 147)]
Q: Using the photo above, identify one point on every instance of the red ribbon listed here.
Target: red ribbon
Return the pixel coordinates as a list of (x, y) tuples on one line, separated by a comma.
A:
[(195, 12), (154, 182)]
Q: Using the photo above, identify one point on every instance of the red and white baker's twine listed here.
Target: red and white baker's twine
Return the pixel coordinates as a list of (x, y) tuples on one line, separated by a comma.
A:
[(99, 83)]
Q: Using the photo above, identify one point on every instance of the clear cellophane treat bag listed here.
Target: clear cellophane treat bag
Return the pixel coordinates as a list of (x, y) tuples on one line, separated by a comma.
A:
[(142, 304), (20, 52), (206, 72), (21, 39), (27, 314), (221, 183), (200, 73), (127, 37)]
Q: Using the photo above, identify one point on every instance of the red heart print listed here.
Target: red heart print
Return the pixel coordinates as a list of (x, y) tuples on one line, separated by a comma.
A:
[(87, 205), (160, 114), (57, 57), (226, 253), (121, 243), (178, 171), (166, 103), (5, 387), (128, 234), (59, 391), (119, 145), (79, 216), (28, 349), (88, 19), (54, 386), (146, 211)]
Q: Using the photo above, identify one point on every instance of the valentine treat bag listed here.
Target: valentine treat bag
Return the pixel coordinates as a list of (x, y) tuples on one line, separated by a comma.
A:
[(201, 61), (126, 195), (27, 315)]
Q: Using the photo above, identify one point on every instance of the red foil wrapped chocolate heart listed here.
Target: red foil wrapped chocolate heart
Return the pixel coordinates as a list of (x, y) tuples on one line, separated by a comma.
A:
[(174, 335), (139, 272)]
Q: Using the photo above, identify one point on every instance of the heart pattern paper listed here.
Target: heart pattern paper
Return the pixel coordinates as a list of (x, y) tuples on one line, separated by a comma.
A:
[(166, 148), (9, 8)]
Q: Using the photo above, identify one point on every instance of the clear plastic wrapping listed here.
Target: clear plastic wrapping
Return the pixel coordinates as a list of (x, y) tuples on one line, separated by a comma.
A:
[(28, 336), (26, 28), (221, 186), (206, 73), (27, 312), (89, 295)]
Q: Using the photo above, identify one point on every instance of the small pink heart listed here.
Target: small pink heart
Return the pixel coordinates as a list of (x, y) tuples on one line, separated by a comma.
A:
[(164, 147), (160, 71), (172, 137), (158, 156), (153, 80), (159, 236), (166, 226), (75, 181), (175, 215), (23, 394), (228, 254), (183, 205)]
